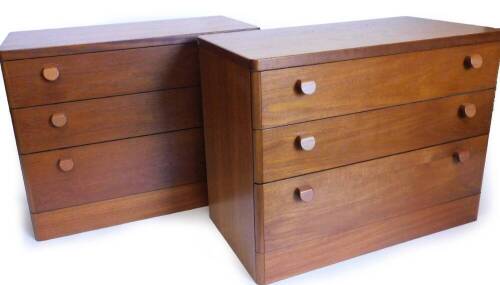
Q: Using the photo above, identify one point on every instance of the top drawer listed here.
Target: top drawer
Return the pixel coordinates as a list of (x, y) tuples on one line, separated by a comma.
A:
[(340, 88), (57, 79)]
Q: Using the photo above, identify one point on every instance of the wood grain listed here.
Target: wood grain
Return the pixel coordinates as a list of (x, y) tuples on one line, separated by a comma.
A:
[(321, 252), (364, 119), (371, 83), (51, 42), (91, 107), (105, 119), (228, 147), (102, 74), (113, 169), (72, 220), (363, 136), (353, 196), (298, 46)]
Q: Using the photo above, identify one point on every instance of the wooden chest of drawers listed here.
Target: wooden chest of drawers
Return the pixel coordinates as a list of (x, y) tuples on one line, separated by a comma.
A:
[(330, 141), (108, 120)]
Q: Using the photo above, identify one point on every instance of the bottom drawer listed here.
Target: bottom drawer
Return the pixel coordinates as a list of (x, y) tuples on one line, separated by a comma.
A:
[(331, 202), (85, 174), (320, 252)]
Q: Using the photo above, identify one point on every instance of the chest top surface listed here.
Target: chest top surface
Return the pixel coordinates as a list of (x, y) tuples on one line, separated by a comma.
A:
[(296, 46), (40, 43)]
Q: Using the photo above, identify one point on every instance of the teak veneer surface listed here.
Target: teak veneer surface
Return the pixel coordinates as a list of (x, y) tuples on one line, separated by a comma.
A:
[(105, 116), (366, 84), (320, 252), (296, 46), (228, 146), (101, 74), (342, 200), (361, 135), (113, 169), (71, 220), (42, 43), (368, 135), (104, 119)]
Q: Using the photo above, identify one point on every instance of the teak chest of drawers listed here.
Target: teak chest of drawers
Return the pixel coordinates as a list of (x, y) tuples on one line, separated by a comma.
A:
[(326, 142), (108, 120)]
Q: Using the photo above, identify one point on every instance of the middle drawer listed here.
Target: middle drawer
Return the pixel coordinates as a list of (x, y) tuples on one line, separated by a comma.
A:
[(77, 123), (313, 146)]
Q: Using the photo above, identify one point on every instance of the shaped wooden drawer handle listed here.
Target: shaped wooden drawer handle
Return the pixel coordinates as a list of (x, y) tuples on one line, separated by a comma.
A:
[(468, 110), (50, 73), (306, 87), (307, 143), (66, 164), (474, 61), (305, 193), (58, 120), (461, 155)]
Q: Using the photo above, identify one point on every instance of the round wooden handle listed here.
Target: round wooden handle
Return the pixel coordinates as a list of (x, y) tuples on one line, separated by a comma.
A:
[(307, 143), (468, 110), (306, 87), (50, 73), (305, 193), (58, 120), (474, 61), (66, 164), (461, 155)]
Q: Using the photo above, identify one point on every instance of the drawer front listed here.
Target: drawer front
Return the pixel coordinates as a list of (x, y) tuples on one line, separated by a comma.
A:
[(90, 121), (93, 75), (317, 253), (349, 197), (283, 152), (79, 175), (366, 84)]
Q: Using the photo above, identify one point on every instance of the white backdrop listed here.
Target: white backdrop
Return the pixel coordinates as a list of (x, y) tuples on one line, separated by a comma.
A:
[(186, 248)]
